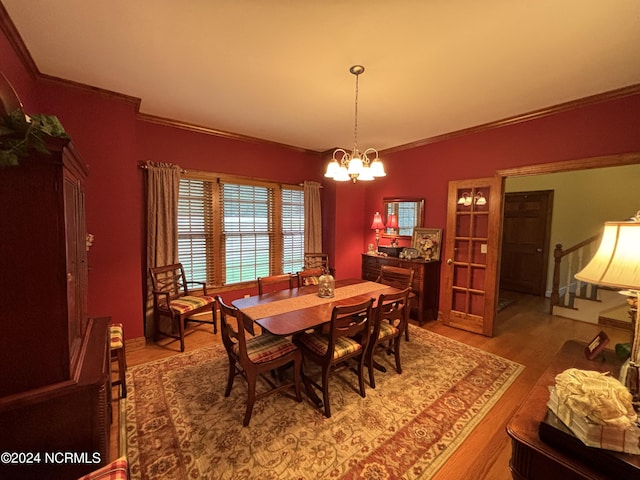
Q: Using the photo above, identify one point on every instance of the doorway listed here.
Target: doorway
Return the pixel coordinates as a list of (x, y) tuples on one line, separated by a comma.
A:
[(585, 202), (526, 233)]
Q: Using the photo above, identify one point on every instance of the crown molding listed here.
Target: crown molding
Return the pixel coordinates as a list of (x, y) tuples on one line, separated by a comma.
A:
[(544, 112)]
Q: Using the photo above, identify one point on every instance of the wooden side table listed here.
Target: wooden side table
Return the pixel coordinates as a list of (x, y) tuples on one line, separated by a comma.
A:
[(533, 458)]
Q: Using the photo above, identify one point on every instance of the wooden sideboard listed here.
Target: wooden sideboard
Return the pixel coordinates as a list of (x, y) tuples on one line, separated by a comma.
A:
[(426, 282), (561, 456)]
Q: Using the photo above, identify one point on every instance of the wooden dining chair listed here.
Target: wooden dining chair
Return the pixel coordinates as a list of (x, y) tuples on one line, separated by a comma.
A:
[(391, 316), (309, 276), (347, 338), (398, 277), (255, 356), (173, 299), (316, 260), (275, 282)]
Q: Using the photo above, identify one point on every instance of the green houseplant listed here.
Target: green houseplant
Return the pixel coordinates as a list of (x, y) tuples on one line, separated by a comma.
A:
[(19, 133)]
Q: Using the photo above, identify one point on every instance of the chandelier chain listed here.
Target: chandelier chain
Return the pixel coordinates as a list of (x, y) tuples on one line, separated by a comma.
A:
[(355, 128)]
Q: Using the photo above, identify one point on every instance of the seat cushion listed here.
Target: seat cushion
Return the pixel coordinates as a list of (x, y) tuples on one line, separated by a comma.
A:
[(387, 330), (265, 348), (116, 336), (116, 470), (189, 303), (319, 343)]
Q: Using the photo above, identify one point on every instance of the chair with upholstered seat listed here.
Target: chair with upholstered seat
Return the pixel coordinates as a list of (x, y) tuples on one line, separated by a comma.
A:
[(309, 276), (272, 283), (173, 299), (254, 356), (117, 354), (400, 278), (347, 338), (391, 316)]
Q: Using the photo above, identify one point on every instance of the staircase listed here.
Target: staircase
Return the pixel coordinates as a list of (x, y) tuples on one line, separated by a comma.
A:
[(607, 304), (584, 301)]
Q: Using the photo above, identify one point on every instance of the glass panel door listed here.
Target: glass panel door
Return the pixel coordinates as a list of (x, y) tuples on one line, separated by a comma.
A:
[(471, 252)]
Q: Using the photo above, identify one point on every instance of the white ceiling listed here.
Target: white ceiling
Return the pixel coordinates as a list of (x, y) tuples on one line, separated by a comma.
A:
[(279, 69)]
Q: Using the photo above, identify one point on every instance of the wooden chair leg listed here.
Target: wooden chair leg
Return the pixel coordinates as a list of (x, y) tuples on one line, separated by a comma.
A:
[(371, 367), (363, 393), (251, 399), (181, 322), (325, 392), (396, 351), (122, 371), (231, 376), (297, 365)]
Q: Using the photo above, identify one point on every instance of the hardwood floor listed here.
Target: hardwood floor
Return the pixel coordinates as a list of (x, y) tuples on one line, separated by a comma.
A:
[(524, 333)]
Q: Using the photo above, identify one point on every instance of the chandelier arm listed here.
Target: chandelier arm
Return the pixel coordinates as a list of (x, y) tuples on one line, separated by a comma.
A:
[(339, 150), (365, 157)]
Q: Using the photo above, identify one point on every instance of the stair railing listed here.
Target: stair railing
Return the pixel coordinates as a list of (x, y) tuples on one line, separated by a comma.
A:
[(576, 257)]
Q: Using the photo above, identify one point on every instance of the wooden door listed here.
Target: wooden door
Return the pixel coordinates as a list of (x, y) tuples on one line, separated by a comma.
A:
[(526, 230), (472, 251)]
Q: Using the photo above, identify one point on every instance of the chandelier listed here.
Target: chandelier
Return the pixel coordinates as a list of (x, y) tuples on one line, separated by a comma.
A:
[(355, 166)]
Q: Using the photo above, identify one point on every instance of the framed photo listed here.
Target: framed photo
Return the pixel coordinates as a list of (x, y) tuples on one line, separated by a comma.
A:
[(428, 242), (595, 346)]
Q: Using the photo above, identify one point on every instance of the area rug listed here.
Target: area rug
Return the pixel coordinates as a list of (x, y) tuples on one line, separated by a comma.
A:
[(180, 426), (504, 302)]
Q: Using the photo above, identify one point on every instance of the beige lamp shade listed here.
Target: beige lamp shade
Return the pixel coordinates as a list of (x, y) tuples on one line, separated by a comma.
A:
[(617, 261)]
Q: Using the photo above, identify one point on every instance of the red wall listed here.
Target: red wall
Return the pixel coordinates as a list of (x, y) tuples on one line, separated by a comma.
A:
[(112, 140), (606, 128)]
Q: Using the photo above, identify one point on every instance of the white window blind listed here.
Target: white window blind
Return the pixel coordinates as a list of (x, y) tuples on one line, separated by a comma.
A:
[(247, 231), (292, 230), (232, 229), (195, 233)]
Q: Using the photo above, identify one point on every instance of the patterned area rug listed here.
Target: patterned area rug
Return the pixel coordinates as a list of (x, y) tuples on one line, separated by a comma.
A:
[(180, 426)]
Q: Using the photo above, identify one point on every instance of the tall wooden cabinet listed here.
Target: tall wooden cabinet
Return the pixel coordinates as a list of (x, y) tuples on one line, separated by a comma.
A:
[(54, 379), (426, 281)]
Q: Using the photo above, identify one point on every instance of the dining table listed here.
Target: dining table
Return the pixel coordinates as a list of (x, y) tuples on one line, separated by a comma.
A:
[(292, 311)]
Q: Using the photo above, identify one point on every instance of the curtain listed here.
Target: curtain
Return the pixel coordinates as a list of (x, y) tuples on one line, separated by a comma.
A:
[(162, 188), (312, 218)]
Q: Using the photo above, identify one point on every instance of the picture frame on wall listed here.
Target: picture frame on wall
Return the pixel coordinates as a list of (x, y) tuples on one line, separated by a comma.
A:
[(428, 242)]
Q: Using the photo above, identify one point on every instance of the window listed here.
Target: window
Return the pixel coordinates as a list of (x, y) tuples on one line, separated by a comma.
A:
[(233, 230), (292, 230), (195, 232)]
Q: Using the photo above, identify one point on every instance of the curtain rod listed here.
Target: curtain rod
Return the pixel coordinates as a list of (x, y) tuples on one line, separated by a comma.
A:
[(145, 167)]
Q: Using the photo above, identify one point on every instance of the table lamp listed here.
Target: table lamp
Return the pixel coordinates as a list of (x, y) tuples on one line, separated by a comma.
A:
[(377, 225), (617, 264), (392, 223)]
